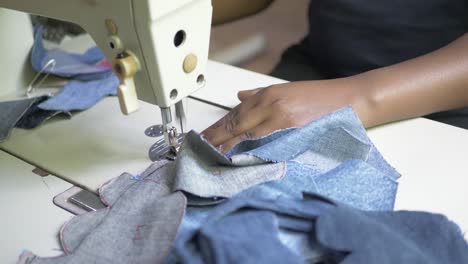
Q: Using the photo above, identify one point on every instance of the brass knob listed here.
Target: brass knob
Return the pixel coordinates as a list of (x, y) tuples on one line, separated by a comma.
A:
[(126, 67)]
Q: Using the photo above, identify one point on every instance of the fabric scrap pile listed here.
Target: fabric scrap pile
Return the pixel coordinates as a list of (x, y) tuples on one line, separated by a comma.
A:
[(317, 194), (91, 79)]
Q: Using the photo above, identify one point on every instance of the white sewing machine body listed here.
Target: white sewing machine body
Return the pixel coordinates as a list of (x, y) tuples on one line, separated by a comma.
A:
[(148, 29), (158, 48)]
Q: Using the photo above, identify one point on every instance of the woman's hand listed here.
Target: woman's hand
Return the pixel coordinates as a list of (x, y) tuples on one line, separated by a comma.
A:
[(435, 82), (263, 111)]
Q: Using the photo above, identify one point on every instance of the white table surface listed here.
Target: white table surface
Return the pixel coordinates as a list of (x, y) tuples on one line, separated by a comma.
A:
[(99, 144), (29, 219)]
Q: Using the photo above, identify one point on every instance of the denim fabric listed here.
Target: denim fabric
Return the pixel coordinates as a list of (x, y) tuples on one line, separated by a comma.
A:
[(35, 116), (91, 73), (139, 226), (322, 144), (244, 239), (331, 156), (392, 237), (203, 171), (91, 65), (246, 231), (202, 245), (80, 95), (91, 68), (11, 112)]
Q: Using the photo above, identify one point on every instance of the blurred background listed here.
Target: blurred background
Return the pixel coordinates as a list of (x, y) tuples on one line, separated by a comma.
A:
[(266, 35), (254, 43)]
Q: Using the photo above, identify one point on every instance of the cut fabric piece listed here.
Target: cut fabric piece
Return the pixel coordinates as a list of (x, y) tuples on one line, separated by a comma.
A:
[(331, 156), (243, 232), (392, 237), (246, 230), (254, 178), (96, 82), (368, 188), (81, 95), (91, 65), (322, 144), (139, 226), (11, 112), (203, 171), (35, 116), (92, 76)]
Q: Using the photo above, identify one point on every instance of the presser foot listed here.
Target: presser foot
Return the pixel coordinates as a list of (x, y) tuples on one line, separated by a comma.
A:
[(162, 150)]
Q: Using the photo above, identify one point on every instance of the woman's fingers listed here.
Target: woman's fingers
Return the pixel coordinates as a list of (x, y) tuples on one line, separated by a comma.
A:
[(241, 119), (265, 128)]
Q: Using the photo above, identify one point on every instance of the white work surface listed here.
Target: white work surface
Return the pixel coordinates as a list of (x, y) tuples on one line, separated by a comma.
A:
[(29, 220), (99, 144)]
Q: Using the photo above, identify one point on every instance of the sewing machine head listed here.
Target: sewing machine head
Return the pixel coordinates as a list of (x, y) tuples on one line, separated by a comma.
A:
[(158, 48)]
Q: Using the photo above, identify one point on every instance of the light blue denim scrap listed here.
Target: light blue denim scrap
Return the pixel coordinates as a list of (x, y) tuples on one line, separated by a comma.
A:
[(139, 225), (201, 170), (11, 112), (332, 139), (23, 113), (336, 148), (405, 237), (345, 176), (188, 249), (331, 156), (92, 77), (81, 95), (35, 116), (353, 182), (90, 65), (246, 230)]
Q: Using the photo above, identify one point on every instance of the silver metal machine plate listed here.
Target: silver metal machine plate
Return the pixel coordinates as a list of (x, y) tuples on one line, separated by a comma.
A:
[(161, 150)]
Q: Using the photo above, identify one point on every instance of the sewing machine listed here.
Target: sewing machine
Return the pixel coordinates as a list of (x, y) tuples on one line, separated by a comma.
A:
[(158, 48), (430, 156)]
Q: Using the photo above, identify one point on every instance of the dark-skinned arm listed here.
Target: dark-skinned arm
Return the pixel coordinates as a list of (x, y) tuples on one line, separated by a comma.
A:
[(431, 83)]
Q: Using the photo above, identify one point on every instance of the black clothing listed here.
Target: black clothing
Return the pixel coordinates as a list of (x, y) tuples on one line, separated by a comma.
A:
[(348, 37)]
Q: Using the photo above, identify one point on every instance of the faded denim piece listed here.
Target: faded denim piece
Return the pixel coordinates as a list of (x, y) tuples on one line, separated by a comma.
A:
[(11, 112), (249, 229), (146, 210), (139, 226), (35, 116), (245, 231), (325, 156), (207, 178), (91, 73), (93, 81), (81, 95), (90, 65), (331, 156), (321, 144), (202, 171), (391, 237)]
